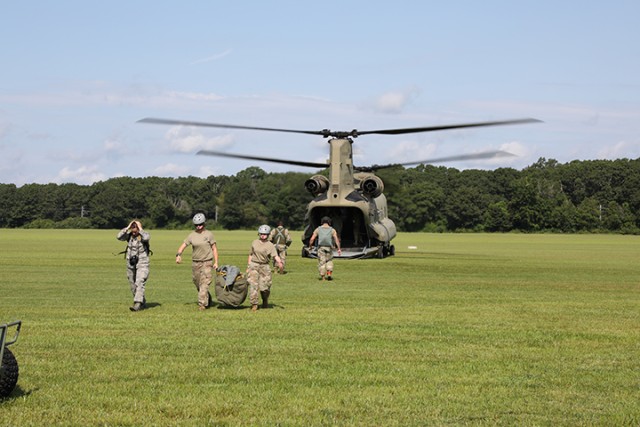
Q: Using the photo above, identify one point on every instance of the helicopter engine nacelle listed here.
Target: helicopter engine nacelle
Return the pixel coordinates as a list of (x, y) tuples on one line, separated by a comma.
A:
[(372, 186), (317, 184)]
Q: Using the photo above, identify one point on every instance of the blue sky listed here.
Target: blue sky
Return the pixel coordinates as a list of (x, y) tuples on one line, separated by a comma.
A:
[(75, 76)]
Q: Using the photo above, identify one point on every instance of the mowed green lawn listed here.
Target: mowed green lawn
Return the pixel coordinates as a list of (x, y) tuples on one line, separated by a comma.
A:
[(463, 329)]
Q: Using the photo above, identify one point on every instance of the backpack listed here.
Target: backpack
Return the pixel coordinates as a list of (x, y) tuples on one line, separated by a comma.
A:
[(231, 294), (147, 248), (279, 238)]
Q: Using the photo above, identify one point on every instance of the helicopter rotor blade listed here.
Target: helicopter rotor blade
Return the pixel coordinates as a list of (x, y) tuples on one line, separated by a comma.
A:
[(446, 127), (340, 134), (224, 126), (482, 155), (264, 159)]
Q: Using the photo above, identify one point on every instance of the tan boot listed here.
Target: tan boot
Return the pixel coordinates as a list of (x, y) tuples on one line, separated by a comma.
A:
[(254, 308)]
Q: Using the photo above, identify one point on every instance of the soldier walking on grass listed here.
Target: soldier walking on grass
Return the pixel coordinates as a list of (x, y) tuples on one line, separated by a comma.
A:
[(137, 256), (281, 238), (204, 260), (327, 239), (259, 269)]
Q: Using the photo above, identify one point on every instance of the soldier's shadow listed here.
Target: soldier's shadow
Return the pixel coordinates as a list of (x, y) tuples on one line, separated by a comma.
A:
[(247, 307)]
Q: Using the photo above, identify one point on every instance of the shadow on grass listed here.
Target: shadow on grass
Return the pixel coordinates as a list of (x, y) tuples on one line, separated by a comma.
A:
[(222, 306), (247, 307), (17, 393)]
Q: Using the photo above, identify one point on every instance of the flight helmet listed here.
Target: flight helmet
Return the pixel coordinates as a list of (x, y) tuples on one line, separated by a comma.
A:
[(264, 229), (199, 218)]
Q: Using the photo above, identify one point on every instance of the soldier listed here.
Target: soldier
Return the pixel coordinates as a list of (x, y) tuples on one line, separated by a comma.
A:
[(281, 238), (137, 256), (258, 267), (327, 238), (204, 260)]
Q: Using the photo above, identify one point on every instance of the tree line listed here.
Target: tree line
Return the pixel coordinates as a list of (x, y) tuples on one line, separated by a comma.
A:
[(579, 196)]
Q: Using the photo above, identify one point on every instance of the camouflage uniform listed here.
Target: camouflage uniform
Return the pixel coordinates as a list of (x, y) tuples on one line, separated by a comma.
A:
[(202, 263), (281, 238), (325, 260), (259, 271), (138, 273), (326, 238)]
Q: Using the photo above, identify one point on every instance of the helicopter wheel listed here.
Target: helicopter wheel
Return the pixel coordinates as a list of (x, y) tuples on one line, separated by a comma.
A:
[(392, 250), (381, 252), (8, 373)]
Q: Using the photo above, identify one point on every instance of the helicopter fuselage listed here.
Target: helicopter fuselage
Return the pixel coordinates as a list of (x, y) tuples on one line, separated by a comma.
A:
[(355, 204)]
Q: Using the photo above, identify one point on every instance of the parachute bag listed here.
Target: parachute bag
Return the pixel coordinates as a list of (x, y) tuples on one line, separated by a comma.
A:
[(231, 294)]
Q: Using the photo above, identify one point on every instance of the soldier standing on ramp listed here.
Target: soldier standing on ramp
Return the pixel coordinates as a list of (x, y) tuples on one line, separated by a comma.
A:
[(327, 237), (258, 268), (281, 238)]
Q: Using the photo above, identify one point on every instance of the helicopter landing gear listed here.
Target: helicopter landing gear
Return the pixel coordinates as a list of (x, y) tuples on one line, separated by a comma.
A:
[(8, 373), (385, 251), (8, 363)]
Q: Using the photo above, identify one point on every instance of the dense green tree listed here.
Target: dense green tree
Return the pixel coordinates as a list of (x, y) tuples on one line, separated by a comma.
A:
[(589, 215), (599, 195), (464, 209), (8, 203), (497, 217)]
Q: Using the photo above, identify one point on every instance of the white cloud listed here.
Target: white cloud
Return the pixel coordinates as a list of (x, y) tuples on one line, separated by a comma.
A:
[(619, 150), (113, 146), (4, 129), (188, 140), (194, 96), (516, 148), (206, 171), (394, 102), (212, 58), (97, 93), (82, 175), (409, 151), (171, 169)]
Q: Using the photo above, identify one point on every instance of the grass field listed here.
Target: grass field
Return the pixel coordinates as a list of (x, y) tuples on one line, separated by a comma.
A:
[(466, 329)]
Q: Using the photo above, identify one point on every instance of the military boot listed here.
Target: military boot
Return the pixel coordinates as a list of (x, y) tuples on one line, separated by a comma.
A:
[(265, 298), (136, 307), (254, 308)]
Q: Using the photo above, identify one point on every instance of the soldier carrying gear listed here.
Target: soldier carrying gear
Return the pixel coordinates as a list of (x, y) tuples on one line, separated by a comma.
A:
[(204, 259), (281, 238), (258, 269)]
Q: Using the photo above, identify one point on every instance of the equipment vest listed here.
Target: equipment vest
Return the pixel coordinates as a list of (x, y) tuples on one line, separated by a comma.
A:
[(325, 237), (279, 238)]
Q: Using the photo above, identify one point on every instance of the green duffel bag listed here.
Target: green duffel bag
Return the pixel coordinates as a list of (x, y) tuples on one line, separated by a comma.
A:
[(231, 286)]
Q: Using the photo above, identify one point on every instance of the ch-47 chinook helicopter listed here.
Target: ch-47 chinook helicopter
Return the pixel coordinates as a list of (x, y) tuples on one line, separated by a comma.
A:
[(352, 196)]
